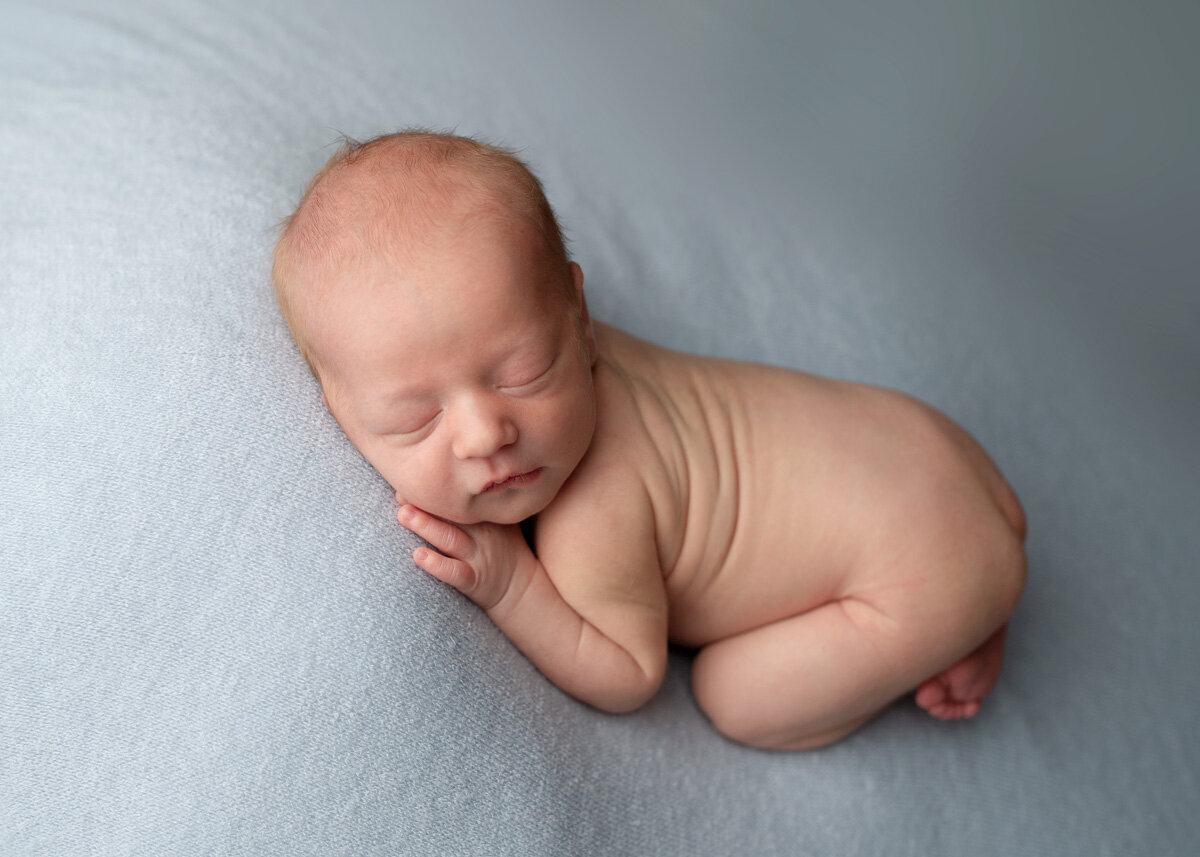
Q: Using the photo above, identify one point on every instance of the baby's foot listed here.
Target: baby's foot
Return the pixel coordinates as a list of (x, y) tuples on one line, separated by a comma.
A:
[(958, 691)]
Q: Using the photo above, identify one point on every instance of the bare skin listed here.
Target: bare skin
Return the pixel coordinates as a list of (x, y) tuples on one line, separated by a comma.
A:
[(826, 547)]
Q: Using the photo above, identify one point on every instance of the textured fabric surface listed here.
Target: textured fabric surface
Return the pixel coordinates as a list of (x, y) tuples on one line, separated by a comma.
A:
[(212, 639)]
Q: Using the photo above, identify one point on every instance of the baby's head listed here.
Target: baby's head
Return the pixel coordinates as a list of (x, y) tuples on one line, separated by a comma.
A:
[(425, 280)]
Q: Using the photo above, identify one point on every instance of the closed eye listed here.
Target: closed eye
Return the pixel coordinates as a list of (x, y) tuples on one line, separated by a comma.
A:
[(414, 426), (531, 381)]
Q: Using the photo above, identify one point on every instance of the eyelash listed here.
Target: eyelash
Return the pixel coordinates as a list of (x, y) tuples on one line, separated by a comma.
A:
[(424, 425), (427, 423), (538, 377)]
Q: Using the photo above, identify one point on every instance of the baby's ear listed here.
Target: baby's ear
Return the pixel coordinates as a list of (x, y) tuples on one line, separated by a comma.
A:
[(585, 319), (576, 277)]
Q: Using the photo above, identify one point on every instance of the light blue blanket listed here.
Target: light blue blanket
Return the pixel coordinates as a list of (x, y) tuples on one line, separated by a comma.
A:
[(212, 640)]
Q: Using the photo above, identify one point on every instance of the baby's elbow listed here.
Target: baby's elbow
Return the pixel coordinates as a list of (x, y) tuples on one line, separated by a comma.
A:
[(627, 700), (633, 688)]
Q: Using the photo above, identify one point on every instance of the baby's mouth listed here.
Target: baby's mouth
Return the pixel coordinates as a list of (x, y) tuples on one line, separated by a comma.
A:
[(517, 481)]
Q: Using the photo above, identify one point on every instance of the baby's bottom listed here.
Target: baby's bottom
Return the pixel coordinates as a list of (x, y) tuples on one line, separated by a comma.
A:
[(809, 680)]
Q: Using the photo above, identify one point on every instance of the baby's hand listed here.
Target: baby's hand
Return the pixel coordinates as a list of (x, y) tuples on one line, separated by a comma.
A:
[(479, 560)]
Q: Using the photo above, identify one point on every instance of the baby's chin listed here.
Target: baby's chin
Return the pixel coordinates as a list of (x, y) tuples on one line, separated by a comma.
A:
[(498, 510), (504, 506), (512, 510), (502, 519)]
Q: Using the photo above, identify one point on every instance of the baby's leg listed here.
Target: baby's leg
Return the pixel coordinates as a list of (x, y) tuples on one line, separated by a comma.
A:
[(930, 599), (807, 680)]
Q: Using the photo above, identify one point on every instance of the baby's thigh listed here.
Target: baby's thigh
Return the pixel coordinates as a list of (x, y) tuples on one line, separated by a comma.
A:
[(808, 679)]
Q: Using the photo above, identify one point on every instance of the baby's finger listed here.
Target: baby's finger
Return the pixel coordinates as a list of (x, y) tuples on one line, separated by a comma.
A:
[(446, 569), (444, 536)]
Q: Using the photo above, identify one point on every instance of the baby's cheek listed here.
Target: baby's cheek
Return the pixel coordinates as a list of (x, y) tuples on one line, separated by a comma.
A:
[(559, 424), (579, 417), (408, 477)]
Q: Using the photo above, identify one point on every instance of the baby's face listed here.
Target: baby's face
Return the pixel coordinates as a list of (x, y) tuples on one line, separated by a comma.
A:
[(464, 379)]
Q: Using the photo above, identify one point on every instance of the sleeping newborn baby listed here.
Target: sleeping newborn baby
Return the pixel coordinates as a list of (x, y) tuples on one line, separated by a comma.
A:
[(825, 546)]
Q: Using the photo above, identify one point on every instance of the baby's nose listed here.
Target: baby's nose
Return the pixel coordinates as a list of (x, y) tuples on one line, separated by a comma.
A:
[(483, 432)]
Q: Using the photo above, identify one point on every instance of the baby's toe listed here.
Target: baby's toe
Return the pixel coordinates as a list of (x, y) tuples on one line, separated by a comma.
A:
[(955, 710), (931, 693)]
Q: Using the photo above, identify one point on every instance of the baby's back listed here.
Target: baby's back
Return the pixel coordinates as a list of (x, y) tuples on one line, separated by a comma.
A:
[(767, 483)]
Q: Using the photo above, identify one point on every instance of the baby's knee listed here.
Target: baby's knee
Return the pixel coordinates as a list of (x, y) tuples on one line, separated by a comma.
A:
[(740, 716), (730, 711), (733, 720), (733, 707)]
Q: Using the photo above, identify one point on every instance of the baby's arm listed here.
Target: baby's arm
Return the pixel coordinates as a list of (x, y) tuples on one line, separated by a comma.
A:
[(589, 611)]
